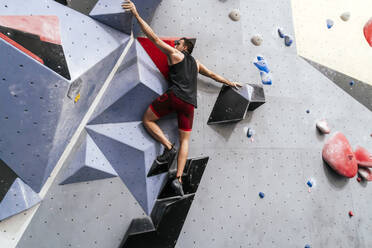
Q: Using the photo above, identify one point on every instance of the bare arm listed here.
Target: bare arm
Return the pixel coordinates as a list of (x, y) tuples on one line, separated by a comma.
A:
[(208, 73), (164, 47)]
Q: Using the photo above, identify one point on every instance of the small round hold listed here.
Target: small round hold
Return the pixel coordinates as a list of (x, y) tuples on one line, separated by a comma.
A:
[(235, 15), (345, 16), (351, 214), (261, 194), (308, 111), (307, 246), (249, 133), (257, 40), (352, 83), (309, 183)]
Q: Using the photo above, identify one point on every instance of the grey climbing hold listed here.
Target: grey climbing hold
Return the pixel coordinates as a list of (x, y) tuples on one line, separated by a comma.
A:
[(257, 40), (235, 15), (345, 16)]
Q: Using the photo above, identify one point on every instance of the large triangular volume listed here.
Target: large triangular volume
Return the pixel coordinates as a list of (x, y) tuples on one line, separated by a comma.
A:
[(135, 85), (20, 197), (110, 13), (82, 6), (41, 36), (38, 119), (88, 164), (131, 151), (231, 106), (359, 90)]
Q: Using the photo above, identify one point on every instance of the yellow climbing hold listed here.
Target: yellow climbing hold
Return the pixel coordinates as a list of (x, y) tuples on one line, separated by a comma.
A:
[(77, 98)]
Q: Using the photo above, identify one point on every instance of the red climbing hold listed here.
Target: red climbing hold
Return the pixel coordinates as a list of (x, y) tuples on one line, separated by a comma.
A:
[(368, 32), (359, 179), (363, 157), (339, 156), (351, 214)]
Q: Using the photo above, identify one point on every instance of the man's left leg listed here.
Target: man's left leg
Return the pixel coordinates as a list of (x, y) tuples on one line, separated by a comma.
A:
[(185, 116), (183, 151), (184, 137)]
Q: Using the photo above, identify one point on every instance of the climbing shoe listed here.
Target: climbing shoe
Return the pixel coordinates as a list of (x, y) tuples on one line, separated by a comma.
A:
[(167, 156), (177, 186)]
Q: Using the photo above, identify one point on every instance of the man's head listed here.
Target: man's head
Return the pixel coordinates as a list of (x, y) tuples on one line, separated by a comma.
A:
[(184, 44)]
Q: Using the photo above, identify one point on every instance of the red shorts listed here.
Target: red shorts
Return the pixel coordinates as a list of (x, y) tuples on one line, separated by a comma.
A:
[(168, 103)]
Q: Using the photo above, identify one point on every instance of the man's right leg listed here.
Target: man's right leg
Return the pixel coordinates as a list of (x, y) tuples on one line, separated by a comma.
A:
[(149, 119)]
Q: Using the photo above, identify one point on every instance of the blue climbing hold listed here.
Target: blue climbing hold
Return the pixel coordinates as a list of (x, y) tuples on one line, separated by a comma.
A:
[(281, 33), (261, 194), (249, 133), (264, 70), (308, 111), (261, 64), (352, 83), (309, 184), (329, 23), (288, 40), (307, 246)]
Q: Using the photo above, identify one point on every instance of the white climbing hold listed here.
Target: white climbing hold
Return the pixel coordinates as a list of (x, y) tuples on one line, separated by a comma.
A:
[(322, 126), (257, 40), (235, 15), (345, 16)]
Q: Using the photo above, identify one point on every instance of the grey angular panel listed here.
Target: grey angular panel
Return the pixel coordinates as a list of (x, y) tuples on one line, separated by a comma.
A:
[(30, 96), (129, 107), (36, 115), (360, 91), (41, 114), (89, 164), (82, 6), (131, 152), (110, 12), (84, 40), (20, 197), (136, 72)]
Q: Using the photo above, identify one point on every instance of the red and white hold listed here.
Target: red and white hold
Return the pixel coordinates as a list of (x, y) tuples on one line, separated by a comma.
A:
[(363, 157), (339, 156), (365, 173)]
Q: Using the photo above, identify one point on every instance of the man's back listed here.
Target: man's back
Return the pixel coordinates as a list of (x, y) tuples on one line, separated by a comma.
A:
[(183, 78)]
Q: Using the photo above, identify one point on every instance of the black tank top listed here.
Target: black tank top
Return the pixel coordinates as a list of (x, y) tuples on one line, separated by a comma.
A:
[(183, 78)]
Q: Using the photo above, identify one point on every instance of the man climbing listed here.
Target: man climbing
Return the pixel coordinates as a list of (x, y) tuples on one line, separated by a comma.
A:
[(179, 98)]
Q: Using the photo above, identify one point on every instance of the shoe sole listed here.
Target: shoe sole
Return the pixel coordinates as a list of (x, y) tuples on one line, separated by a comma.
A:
[(168, 162)]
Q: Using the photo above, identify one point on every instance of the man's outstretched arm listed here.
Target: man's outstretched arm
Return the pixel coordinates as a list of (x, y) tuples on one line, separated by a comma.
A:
[(164, 47), (208, 73)]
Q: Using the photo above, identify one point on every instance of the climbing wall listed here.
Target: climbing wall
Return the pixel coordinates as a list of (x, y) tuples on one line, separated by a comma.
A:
[(284, 154)]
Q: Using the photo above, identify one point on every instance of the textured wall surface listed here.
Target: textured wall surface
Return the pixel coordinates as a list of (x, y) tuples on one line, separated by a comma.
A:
[(284, 155)]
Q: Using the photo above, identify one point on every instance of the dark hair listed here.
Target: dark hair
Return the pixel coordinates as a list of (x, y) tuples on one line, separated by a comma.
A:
[(188, 43)]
